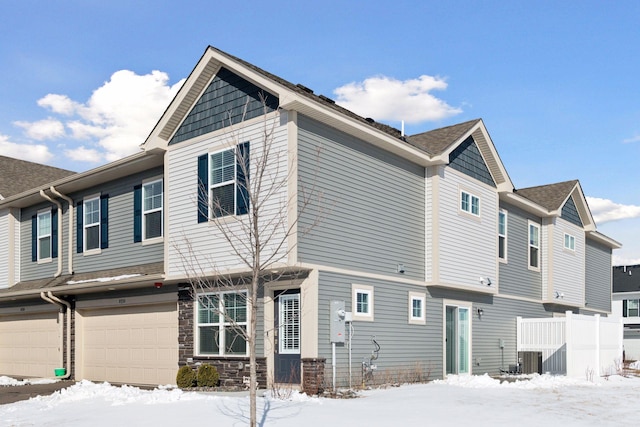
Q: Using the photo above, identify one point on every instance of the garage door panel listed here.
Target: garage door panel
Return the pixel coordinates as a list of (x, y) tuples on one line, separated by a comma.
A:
[(29, 344), (140, 344)]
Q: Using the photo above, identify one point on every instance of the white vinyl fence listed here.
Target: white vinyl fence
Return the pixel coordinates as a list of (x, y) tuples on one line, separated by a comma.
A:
[(575, 345)]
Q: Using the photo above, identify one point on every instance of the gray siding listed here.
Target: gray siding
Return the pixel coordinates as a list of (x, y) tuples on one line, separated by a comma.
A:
[(372, 212), (229, 99), (515, 277), (405, 349), (122, 251), (598, 276)]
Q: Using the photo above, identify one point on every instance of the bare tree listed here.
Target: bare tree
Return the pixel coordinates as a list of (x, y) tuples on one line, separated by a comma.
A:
[(258, 237)]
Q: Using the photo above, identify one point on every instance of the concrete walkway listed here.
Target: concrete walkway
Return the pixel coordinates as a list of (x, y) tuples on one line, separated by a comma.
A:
[(11, 394)]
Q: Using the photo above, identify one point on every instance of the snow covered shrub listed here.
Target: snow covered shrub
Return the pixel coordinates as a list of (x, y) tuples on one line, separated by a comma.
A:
[(186, 377), (207, 376)]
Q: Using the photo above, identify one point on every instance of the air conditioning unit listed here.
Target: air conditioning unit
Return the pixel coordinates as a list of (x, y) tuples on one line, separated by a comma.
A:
[(530, 362)]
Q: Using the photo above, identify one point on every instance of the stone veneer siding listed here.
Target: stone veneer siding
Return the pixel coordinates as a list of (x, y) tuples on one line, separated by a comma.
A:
[(233, 371), (313, 376)]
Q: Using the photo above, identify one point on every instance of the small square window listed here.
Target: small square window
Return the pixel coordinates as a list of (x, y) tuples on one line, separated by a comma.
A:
[(417, 309), (569, 242), (469, 203), (362, 302)]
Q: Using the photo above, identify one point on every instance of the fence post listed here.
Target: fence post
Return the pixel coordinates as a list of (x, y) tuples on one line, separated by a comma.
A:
[(598, 344), (568, 354)]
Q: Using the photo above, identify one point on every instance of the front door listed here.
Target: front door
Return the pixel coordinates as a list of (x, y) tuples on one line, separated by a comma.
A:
[(287, 340), (457, 341)]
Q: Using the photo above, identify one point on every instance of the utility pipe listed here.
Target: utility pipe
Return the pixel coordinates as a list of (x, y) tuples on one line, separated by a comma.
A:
[(70, 214), (68, 352), (60, 322), (44, 195)]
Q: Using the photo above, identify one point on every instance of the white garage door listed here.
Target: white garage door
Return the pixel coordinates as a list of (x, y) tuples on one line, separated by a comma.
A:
[(29, 344), (133, 345)]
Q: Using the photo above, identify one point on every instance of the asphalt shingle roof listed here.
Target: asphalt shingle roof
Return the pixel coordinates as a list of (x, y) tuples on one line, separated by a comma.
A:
[(17, 175), (626, 278), (550, 197), (436, 141)]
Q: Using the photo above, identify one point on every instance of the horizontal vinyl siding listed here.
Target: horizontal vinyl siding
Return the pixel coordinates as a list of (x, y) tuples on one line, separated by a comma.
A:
[(404, 347), (187, 237), (515, 277), (122, 251), (467, 245), (371, 215), (598, 276), (568, 266)]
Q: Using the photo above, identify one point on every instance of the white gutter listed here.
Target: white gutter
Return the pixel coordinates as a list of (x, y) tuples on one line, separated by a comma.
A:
[(70, 214), (61, 323), (68, 352), (44, 195)]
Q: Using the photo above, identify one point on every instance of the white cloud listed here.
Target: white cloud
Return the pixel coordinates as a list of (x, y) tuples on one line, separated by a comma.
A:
[(83, 154), (32, 152), (42, 129), (113, 122), (605, 210), (60, 104), (387, 99), (635, 138)]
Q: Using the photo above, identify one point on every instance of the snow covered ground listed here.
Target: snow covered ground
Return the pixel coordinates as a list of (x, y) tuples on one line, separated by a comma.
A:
[(477, 400)]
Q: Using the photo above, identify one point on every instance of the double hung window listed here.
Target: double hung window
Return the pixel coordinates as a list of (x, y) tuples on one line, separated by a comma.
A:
[(152, 210), (534, 246), (44, 235), (91, 224), (222, 323), (502, 235)]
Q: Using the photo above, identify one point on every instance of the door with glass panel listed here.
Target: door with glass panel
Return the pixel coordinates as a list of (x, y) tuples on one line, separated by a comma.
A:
[(287, 339), (457, 339)]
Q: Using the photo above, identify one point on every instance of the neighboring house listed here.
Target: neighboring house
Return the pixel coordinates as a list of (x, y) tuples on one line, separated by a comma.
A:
[(626, 304), (423, 239)]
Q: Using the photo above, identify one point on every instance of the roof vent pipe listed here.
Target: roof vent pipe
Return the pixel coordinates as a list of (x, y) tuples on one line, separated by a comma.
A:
[(44, 195), (402, 129), (70, 213)]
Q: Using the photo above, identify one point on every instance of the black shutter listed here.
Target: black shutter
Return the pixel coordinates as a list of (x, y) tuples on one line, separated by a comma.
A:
[(242, 179), (104, 221), (54, 233), (137, 213), (203, 185), (624, 308), (34, 238), (79, 229)]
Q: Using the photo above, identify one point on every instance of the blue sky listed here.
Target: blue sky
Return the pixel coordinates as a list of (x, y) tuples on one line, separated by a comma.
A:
[(557, 83)]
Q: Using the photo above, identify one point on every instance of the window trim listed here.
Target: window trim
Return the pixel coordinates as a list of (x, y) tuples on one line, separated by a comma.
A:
[(466, 207), (144, 212), (504, 235), (85, 200), (365, 290), (530, 246), (572, 242), (222, 324), (422, 319), (40, 213), (625, 307)]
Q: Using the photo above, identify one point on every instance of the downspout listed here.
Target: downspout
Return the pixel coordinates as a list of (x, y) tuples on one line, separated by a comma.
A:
[(44, 195), (70, 213), (68, 352), (60, 322)]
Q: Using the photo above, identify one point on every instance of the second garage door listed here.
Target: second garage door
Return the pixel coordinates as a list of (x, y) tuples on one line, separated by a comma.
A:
[(133, 345)]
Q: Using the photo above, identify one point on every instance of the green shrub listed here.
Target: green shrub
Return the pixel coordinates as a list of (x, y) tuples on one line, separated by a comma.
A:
[(207, 376), (186, 377)]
